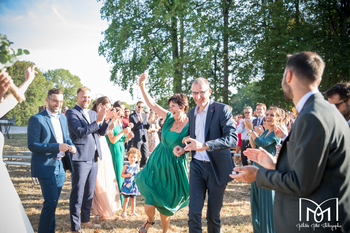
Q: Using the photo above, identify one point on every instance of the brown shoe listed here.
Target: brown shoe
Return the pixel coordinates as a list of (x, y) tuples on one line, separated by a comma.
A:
[(90, 225)]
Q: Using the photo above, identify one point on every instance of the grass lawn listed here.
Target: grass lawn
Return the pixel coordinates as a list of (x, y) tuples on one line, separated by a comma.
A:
[(235, 213)]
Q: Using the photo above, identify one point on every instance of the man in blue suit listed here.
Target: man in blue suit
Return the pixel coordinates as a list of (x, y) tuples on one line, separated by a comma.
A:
[(212, 134), (85, 127), (48, 139)]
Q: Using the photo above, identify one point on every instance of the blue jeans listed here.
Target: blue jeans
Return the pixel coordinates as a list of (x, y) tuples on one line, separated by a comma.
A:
[(51, 189)]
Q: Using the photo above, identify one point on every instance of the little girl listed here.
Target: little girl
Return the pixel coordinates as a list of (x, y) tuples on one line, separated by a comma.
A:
[(129, 188)]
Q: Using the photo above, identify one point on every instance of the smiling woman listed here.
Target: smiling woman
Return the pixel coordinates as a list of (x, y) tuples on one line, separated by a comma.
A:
[(163, 181)]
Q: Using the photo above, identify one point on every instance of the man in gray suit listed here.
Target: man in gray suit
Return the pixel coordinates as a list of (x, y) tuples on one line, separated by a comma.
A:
[(212, 134), (312, 175)]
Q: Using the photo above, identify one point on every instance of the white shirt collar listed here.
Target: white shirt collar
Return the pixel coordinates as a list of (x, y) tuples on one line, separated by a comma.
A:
[(205, 109), (50, 113), (303, 100)]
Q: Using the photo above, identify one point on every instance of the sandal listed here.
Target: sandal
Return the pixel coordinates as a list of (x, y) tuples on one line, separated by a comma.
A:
[(143, 229)]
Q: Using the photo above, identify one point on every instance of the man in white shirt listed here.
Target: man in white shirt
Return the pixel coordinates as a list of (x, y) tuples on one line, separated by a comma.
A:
[(212, 134), (244, 133), (48, 139)]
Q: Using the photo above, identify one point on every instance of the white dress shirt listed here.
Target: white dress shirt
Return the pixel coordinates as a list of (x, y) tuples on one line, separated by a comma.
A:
[(240, 129), (303, 100), (201, 119), (57, 128)]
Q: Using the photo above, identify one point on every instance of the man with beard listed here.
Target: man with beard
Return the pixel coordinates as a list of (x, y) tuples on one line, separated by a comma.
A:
[(311, 176), (339, 95), (48, 140)]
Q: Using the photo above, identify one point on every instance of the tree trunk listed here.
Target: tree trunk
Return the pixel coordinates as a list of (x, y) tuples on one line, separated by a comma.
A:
[(177, 66), (225, 13)]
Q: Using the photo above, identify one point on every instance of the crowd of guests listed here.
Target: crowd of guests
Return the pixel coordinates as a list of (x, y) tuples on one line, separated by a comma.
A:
[(116, 154)]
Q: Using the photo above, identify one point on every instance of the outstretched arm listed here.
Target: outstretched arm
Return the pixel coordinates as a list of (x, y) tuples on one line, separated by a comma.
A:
[(149, 101)]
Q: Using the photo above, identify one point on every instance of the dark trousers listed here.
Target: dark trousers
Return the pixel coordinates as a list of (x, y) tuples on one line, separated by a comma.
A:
[(51, 189), (143, 147), (83, 186), (244, 146), (202, 178)]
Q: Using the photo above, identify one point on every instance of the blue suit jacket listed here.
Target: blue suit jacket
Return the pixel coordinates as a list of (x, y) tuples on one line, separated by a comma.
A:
[(220, 136), (85, 135), (43, 144)]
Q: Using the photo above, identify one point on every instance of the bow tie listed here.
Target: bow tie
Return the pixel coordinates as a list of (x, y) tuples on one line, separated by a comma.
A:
[(55, 116)]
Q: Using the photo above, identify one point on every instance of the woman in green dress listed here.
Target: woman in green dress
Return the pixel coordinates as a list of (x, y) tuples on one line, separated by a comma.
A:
[(115, 139), (164, 180), (261, 200)]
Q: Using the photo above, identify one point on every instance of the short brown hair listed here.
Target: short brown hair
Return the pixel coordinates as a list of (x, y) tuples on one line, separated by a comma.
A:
[(307, 66), (83, 88), (55, 91), (139, 102), (261, 105), (134, 150), (180, 99)]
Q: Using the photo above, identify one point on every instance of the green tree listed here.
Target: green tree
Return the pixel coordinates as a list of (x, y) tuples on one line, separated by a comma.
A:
[(35, 94), (8, 56), (67, 82)]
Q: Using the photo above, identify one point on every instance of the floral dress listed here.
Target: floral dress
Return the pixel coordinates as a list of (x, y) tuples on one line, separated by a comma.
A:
[(129, 186)]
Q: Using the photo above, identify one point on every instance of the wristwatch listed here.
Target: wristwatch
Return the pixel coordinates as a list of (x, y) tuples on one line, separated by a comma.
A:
[(250, 131), (207, 146)]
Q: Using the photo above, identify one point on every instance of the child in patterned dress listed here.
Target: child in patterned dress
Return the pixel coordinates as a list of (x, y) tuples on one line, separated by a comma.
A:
[(129, 189)]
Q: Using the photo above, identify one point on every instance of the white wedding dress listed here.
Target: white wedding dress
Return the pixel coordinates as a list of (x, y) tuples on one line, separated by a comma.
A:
[(13, 217)]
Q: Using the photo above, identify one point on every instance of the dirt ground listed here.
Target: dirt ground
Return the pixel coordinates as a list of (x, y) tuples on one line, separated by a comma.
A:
[(235, 214)]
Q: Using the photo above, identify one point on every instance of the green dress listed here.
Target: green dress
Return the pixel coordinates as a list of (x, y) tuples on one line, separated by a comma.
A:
[(117, 151), (164, 180), (261, 200)]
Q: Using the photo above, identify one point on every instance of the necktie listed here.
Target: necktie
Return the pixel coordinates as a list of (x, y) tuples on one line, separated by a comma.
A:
[(140, 117)]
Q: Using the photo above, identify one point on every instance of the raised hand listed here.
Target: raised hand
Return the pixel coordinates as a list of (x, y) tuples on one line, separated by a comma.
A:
[(261, 157), (281, 131), (30, 72), (248, 124), (142, 79), (110, 114), (259, 129), (5, 82)]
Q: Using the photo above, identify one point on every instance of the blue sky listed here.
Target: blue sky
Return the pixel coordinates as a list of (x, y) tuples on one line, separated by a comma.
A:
[(62, 34)]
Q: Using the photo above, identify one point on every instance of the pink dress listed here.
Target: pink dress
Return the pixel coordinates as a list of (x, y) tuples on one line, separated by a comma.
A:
[(153, 137), (106, 199)]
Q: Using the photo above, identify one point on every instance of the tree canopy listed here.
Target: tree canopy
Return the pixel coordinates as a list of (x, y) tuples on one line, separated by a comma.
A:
[(67, 82), (234, 44)]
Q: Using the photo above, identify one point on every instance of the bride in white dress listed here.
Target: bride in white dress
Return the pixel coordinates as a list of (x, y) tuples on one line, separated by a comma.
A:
[(106, 199), (13, 216)]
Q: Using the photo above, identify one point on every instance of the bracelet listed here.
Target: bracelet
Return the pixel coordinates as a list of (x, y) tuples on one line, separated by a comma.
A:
[(141, 85)]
